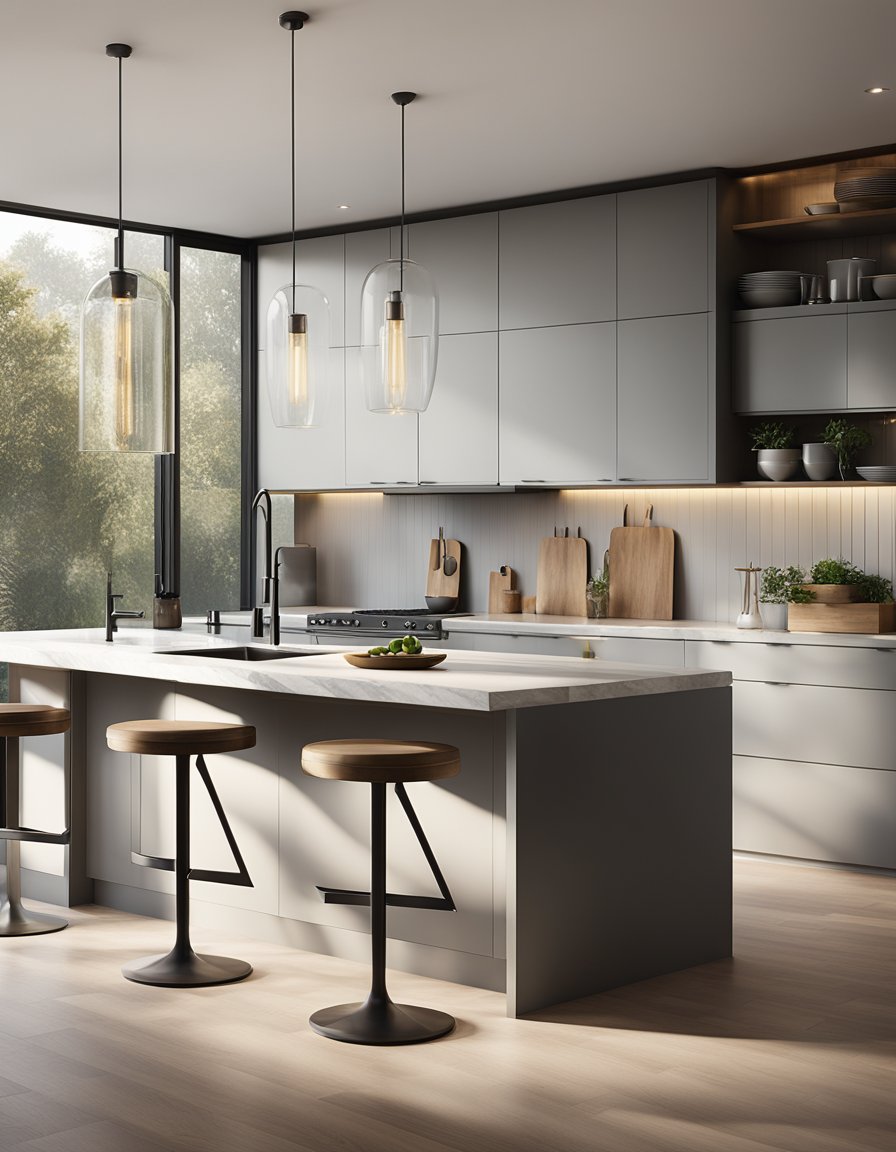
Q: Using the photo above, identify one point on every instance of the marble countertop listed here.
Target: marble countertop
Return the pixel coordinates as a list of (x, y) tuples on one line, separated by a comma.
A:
[(474, 681)]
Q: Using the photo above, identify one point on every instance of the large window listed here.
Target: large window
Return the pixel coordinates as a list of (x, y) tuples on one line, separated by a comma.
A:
[(66, 517), (210, 428)]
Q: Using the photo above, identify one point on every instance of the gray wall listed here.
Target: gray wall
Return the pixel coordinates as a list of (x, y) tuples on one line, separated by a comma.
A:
[(373, 549)]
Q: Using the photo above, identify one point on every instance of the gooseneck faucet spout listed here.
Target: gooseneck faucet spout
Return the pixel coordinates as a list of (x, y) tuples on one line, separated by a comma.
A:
[(263, 501), (113, 614)]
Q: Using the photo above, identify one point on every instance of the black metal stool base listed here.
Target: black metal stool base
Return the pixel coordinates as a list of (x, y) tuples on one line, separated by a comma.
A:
[(18, 921), (174, 970), (379, 1022)]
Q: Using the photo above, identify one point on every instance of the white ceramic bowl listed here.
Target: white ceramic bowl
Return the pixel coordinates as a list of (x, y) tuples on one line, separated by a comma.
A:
[(883, 287)]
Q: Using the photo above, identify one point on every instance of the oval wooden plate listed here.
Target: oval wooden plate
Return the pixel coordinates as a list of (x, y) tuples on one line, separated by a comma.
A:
[(420, 661)]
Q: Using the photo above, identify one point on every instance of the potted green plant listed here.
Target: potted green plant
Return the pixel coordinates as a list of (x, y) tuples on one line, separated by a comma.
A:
[(846, 439), (776, 458), (778, 588), (834, 581)]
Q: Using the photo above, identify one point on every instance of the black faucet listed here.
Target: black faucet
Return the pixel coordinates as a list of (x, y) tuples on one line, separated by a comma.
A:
[(275, 599), (263, 501), (113, 615)]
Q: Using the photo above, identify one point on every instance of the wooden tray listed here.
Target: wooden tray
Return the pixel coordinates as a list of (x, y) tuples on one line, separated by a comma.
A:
[(865, 618), (419, 662)]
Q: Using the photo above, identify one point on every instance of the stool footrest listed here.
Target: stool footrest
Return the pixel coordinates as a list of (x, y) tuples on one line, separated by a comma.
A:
[(163, 863), (35, 835), (393, 900)]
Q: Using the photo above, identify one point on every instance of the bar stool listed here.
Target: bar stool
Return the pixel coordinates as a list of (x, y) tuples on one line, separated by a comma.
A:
[(182, 739), (380, 762), (24, 720)]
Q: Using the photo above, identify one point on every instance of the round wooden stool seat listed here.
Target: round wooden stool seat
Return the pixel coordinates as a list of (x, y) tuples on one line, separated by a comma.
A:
[(179, 737), (33, 720), (380, 761)]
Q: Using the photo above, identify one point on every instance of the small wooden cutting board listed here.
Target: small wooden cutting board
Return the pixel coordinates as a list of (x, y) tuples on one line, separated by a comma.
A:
[(499, 583), (562, 576), (437, 583), (641, 572)]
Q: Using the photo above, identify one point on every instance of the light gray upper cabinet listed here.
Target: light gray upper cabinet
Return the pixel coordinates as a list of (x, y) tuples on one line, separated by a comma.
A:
[(664, 399), (663, 250), (871, 356), (462, 255), (363, 251), (795, 364), (380, 450), (557, 263), (459, 429), (558, 404)]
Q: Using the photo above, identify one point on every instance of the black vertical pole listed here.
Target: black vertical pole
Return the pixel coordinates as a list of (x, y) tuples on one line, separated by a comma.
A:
[(182, 949), (378, 993)]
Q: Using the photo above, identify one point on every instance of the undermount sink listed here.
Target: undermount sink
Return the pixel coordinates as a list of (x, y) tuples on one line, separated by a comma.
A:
[(241, 652)]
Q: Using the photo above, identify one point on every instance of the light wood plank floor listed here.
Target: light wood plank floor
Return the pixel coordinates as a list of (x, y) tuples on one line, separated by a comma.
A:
[(790, 1046)]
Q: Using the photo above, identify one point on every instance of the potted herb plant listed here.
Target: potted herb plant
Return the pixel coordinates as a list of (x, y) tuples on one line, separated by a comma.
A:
[(846, 439), (776, 457), (834, 582), (778, 588), (597, 593)]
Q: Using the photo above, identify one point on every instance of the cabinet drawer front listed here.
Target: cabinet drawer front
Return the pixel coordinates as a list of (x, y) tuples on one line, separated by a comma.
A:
[(850, 726), (840, 667), (794, 365), (871, 353), (815, 811), (631, 650), (619, 649)]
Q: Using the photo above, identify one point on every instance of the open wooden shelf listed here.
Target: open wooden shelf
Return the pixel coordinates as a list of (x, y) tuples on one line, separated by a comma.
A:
[(838, 224)]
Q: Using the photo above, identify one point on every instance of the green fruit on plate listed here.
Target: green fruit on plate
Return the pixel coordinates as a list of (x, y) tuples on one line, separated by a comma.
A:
[(411, 645), (395, 645), (377, 651)]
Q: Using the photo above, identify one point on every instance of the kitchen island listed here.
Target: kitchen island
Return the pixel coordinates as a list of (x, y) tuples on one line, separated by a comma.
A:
[(586, 841)]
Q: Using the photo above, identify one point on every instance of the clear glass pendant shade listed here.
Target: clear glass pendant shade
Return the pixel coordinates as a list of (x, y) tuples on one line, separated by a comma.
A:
[(297, 356), (126, 399), (399, 337)]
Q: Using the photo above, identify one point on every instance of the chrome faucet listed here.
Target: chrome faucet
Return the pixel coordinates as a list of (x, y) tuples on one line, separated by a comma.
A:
[(113, 614), (263, 501)]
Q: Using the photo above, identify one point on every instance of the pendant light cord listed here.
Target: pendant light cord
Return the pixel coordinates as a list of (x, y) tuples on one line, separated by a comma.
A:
[(401, 236), (120, 138), (292, 128)]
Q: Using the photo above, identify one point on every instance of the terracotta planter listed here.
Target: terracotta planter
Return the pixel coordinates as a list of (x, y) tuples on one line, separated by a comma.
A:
[(833, 593)]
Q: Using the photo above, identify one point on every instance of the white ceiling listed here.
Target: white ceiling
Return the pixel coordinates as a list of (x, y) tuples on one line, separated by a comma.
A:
[(516, 98)]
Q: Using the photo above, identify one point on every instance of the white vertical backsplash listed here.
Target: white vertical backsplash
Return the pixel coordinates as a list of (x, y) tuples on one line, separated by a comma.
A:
[(373, 549)]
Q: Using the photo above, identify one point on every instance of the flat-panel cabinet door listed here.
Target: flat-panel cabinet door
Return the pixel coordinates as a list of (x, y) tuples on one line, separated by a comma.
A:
[(790, 365), (305, 458), (363, 251), (663, 243), (459, 429), (558, 263), (663, 398), (557, 415), (462, 256), (871, 359), (380, 450)]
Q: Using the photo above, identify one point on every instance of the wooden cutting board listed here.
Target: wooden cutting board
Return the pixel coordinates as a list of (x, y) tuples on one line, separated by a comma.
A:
[(437, 583), (641, 571), (562, 576), (499, 583)]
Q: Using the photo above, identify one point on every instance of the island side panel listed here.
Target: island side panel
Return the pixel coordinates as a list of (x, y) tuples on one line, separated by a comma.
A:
[(619, 843)]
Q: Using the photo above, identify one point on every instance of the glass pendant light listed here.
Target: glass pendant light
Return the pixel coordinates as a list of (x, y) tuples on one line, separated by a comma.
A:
[(399, 324), (297, 355), (127, 331)]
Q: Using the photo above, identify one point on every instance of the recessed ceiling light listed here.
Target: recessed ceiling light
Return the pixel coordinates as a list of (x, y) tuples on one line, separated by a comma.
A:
[(876, 91), (343, 207)]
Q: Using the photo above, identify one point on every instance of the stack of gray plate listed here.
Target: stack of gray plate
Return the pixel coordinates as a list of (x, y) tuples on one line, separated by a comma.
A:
[(860, 189), (769, 289), (880, 474)]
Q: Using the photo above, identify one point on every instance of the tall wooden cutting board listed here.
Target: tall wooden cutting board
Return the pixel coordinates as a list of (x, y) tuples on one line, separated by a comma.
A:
[(562, 576), (641, 572)]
